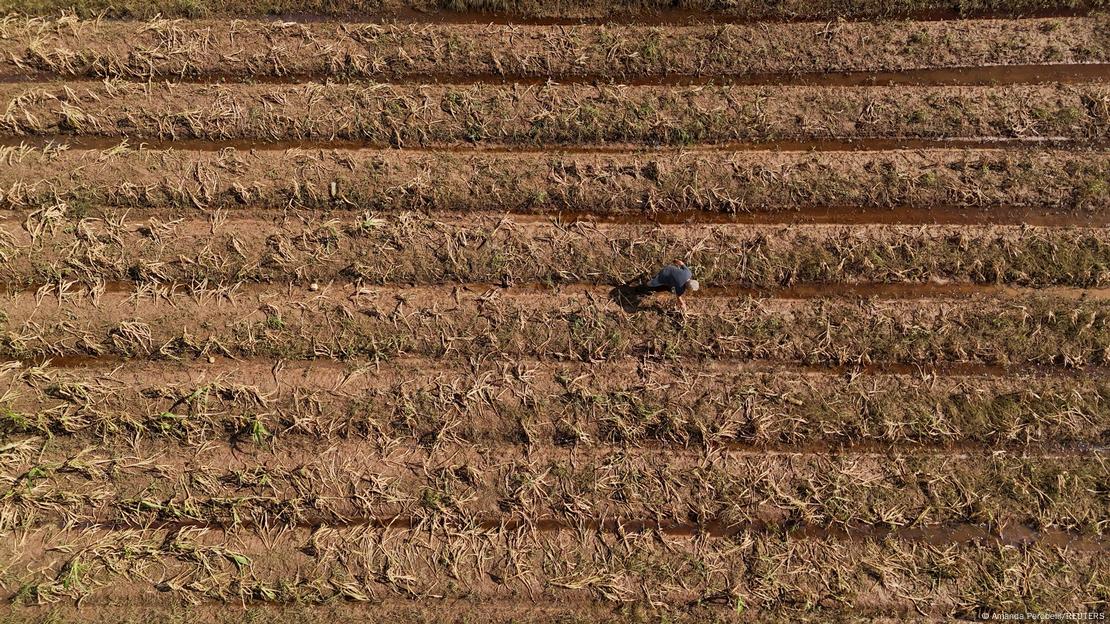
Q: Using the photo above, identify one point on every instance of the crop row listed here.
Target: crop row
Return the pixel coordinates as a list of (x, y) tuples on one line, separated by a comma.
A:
[(77, 181), (368, 323), (417, 404), (213, 48), (748, 573), (139, 484), (414, 249), (551, 115)]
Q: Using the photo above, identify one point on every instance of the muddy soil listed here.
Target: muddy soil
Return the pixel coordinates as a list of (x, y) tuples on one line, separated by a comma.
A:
[(552, 115), (210, 50), (641, 182)]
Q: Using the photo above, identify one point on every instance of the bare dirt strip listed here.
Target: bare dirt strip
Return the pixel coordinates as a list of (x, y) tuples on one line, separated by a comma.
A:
[(332, 313)]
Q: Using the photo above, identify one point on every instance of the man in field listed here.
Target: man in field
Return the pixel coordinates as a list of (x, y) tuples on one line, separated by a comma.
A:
[(677, 277)]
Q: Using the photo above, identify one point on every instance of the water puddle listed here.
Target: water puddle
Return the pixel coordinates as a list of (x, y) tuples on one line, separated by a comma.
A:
[(858, 447), (845, 369), (925, 291), (841, 215), (75, 361), (923, 369)]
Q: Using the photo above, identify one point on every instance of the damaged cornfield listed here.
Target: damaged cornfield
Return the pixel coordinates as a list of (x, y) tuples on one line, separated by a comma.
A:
[(332, 311)]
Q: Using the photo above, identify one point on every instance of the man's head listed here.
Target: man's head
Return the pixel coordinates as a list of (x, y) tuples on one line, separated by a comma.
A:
[(693, 284)]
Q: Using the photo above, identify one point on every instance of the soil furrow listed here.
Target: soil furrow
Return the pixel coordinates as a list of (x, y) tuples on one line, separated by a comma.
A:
[(133, 603), (828, 215), (553, 115)]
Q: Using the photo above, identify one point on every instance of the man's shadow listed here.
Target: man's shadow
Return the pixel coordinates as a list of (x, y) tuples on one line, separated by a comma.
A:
[(630, 297)]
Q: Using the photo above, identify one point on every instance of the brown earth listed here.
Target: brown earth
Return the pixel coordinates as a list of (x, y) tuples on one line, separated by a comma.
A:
[(214, 49), (274, 346)]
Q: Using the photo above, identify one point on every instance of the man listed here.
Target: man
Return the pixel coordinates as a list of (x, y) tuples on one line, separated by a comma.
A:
[(677, 277)]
